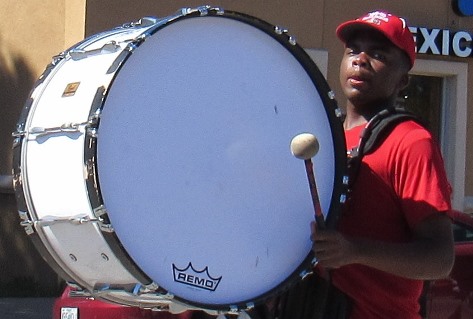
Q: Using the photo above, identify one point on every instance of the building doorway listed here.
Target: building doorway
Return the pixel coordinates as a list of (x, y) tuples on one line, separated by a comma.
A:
[(438, 93)]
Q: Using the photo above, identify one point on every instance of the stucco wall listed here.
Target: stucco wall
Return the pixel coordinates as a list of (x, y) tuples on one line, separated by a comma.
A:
[(31, 32), (312, 22)]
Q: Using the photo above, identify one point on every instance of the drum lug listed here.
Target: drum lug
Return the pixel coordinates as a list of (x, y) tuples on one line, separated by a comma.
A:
[(26, 222), (92, 132), (18, 134), (149, 288), (101, 213), (304, 274), (202, 11), (57, 58), (292, 40), (152, 288), (16, 140), (281, 30), (338, 113), (240, 311), (250, 305), (314, 262), (346, 180), (28, 226), (125, 53), (107, 228), (17, 185), (144, 22)]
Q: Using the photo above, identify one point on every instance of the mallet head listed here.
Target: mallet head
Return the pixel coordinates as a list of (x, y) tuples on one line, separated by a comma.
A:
[(304, 146)]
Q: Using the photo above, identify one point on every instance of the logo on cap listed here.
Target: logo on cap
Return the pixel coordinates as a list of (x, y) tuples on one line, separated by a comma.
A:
[(376, 17)]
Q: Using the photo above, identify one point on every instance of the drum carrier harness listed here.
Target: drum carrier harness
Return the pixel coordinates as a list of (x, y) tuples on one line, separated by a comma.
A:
[(372, 136)]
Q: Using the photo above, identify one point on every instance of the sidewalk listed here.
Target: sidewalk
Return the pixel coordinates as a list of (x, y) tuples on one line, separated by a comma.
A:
[(26, 308)]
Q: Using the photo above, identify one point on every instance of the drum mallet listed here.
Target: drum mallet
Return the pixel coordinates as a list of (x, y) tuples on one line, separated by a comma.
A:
[(305, 146)]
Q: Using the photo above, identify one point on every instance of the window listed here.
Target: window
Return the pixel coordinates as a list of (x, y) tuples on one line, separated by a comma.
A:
[(423, 97)]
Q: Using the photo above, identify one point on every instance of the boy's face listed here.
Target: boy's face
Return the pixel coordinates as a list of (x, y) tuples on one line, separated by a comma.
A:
[(372, 70)]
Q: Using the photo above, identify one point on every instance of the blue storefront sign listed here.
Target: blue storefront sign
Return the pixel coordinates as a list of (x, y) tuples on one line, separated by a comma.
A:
[(463, 7), (443, 42)]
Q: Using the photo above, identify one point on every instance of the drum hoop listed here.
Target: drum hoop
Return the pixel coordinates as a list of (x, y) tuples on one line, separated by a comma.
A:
[(338, 139)]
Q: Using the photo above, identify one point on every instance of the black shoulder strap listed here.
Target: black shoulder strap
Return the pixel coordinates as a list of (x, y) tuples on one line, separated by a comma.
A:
[(374, 133), (381, 125)]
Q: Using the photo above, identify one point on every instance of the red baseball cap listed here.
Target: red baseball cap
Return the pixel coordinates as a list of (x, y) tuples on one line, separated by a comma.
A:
[(394, 28)]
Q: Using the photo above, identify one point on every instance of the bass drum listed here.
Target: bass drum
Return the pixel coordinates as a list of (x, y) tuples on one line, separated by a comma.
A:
[(153, 164)]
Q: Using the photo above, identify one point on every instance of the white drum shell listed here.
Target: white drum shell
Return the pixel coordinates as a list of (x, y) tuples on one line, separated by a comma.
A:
[(53, 172)]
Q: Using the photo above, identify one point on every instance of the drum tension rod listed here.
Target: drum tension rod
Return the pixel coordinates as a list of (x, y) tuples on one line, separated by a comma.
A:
[(76, 220), (41, 131), (78, 54)]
